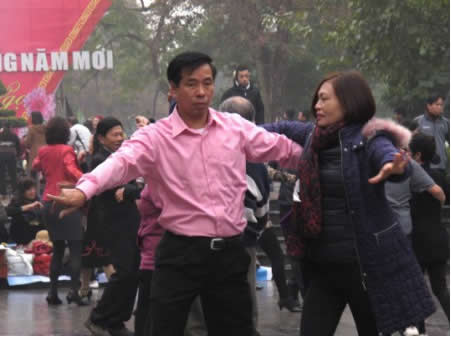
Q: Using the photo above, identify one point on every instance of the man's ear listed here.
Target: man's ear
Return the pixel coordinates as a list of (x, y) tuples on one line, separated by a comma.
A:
[(173, 89)]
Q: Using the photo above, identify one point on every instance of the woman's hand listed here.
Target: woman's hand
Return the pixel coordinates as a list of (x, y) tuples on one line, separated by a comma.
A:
[(31, 206), (396, 167)]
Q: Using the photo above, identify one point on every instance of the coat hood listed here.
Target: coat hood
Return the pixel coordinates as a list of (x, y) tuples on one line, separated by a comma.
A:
[(400, 135)]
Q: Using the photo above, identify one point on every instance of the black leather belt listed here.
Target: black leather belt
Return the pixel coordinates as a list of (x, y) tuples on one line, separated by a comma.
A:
[(214, 243)]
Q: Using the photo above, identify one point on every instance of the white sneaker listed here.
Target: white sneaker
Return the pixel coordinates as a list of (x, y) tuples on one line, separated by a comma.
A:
[(94, 284), (411, 331)]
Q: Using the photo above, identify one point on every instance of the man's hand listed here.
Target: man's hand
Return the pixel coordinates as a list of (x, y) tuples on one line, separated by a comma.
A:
[(119, 195), (396, 167), (72, 199)]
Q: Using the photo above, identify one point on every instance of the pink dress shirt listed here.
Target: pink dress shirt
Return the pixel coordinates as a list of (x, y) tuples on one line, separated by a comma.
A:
[(150, 232), (196, 177)]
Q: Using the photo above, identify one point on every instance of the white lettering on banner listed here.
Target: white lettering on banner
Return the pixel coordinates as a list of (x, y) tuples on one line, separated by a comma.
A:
[(81, 60), (43, 61), (10, 62), (27, 62), (98, 60), (60, 61), (109, 59)]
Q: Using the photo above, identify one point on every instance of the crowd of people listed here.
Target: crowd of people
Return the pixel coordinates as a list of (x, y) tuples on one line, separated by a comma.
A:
[(173, 215)]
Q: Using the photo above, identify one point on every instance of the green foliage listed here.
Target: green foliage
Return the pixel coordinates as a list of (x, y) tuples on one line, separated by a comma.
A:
[(403, 44), (12, 122), (402, 47)]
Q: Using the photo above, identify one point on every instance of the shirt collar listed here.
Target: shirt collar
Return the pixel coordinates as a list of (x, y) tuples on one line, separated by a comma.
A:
[(179, 126)]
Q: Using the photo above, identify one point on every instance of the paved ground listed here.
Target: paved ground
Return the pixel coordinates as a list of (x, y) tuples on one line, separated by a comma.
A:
[(25, 312)]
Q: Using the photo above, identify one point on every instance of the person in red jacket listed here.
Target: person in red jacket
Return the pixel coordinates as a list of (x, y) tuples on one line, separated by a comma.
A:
[(58, 163)]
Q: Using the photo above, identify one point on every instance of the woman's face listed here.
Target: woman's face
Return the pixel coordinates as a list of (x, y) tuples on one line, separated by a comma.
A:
[(328, 108), (113, 138), (30, 194)]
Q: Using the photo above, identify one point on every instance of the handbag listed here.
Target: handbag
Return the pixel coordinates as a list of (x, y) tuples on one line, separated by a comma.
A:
[(19, 264)]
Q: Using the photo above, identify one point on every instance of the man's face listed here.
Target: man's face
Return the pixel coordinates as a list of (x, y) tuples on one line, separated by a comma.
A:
[(243, 78), (436, 108), (195, 92)]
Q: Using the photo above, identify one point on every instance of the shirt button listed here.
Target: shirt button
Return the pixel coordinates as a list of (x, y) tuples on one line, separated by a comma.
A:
[(352, 212)]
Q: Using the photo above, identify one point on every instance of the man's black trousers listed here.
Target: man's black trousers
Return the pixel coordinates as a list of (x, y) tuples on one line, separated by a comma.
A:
[(190, 266)]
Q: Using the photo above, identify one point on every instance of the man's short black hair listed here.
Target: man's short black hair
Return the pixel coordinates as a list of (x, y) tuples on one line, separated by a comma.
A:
[(240, 68), (434, 97), (424, 144), (188, 61), (400, 111), (57, 131)]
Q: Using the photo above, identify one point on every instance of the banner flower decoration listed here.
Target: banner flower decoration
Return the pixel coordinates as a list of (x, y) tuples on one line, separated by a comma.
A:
[(38, 100)]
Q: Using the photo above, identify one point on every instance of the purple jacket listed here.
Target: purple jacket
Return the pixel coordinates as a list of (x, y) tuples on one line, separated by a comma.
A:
[(149, 232)]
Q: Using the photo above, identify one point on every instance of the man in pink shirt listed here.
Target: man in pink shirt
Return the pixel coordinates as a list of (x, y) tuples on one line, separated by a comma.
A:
[(194, 162)]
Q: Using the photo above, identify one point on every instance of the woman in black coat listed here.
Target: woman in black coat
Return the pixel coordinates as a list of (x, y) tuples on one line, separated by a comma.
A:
[(25, 211), (113, 221)]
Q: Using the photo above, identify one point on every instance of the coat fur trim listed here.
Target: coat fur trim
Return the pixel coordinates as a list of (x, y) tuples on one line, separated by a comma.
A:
[(401, 135)]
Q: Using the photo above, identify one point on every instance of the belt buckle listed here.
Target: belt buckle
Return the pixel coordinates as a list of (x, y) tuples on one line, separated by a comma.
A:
[(219, 241)]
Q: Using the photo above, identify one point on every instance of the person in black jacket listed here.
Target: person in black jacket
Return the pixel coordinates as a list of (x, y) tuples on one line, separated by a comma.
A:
[(9, 152), (26, 214), (430, 238), (242, 86), (113, 221)]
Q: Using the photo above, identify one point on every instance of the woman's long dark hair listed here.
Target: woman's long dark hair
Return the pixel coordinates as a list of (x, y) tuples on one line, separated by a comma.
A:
[(104, 126)]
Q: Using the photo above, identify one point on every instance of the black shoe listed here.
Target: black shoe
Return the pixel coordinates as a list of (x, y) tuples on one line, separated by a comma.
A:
[(73, 296), (95, 329), (53, 300), (120, 331), (290, 304)]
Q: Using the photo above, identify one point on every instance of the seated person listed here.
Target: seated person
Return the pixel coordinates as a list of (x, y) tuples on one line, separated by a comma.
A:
[(25, 211)]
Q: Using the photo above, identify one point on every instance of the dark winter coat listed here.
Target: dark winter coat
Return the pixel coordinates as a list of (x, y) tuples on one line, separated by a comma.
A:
[(252, 94), (429, 236), (115, 219), (396, 287), (24, 224)]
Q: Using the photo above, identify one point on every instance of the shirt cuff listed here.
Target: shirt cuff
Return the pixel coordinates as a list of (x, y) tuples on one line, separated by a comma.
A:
[(87, 187), (293, 161)]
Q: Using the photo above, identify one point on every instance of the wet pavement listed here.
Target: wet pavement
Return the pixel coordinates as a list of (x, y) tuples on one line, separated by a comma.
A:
[(25, 312)]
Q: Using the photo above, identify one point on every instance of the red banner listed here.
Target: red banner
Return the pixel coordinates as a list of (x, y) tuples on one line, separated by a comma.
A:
[(31, 28)]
